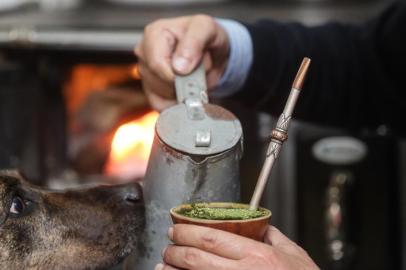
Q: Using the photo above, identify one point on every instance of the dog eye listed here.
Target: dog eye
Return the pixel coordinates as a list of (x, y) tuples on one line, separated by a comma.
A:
[(17, 206)]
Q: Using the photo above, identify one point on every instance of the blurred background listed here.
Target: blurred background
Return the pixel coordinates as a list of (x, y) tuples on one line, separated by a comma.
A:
[(72, 111)]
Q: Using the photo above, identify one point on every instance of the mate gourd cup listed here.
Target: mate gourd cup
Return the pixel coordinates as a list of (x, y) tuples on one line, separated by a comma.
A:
[(253, 228)]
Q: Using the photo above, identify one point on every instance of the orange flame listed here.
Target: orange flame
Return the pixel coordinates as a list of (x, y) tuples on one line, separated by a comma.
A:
[(131, 147)]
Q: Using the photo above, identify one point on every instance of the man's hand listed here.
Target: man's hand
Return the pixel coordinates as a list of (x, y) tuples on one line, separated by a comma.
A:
[(178, 45), (201, 248)]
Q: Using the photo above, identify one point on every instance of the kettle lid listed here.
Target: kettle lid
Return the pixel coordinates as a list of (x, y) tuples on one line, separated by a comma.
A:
[(215, 130)]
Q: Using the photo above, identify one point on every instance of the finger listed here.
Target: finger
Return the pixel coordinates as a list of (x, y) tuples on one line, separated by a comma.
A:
[(153, 83), (189, 50), (157, 48), (278, 240), (207, 62), (138, 50), (224, 244), (162, 266), (157, 102), (192, 258), (274, 237), (212, 75)]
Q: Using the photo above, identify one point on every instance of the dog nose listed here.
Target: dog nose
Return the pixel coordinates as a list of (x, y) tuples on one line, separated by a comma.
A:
[(132, 193)]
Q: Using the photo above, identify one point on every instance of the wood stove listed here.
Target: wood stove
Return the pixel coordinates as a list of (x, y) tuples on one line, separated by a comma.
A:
[(59, 111)]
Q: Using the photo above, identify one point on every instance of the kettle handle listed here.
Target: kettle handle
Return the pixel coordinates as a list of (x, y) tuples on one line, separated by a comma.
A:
[(191, 90), (192, 86)]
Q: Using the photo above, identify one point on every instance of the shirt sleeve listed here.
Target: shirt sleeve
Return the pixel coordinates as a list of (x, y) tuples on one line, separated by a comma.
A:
[(356, 79), (240, 59)]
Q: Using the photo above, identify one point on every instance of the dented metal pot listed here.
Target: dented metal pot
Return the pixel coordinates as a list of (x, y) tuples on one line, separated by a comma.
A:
[(195, 157)]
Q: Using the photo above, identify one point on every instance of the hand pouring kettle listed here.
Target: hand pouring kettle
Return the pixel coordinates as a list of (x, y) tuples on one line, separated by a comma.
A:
[(195, 157)]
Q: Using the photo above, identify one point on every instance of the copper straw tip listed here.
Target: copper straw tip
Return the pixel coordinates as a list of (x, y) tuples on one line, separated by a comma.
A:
[(301, 74)]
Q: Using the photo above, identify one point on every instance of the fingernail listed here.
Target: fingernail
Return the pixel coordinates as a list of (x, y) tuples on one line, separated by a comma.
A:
[(170, 233), (181, 64), (159, 266), (163, 252)]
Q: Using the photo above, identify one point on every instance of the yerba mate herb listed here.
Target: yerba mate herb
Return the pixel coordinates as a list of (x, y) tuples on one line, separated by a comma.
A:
[(202, 211)]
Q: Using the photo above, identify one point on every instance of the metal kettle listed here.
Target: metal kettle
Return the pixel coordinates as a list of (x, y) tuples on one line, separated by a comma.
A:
[(195, 157)]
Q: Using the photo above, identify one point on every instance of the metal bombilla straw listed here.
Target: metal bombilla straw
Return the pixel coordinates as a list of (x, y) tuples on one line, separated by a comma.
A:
[(279, 134)]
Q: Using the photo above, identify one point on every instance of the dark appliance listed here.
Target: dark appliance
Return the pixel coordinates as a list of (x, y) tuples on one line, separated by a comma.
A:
[(348, 206)]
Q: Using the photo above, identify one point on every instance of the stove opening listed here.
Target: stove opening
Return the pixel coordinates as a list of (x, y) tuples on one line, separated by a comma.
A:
[(109, 124), (131, 147)]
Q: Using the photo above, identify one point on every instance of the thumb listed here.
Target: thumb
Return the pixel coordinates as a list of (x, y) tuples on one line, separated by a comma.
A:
[(189, 51)]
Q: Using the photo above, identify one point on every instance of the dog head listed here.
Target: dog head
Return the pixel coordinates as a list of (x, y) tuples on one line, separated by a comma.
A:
[(88, 228)]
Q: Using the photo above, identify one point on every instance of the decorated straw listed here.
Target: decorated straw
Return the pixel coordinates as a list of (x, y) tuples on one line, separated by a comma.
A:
[(279, 134)]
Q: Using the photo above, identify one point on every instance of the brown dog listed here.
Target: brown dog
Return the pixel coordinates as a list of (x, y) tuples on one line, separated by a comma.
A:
[(91, 228)]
